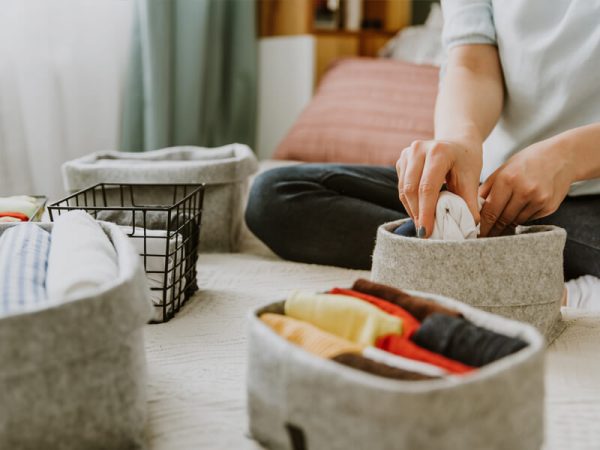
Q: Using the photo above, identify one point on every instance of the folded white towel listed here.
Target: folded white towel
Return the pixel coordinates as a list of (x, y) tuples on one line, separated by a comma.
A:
[(81, 259), (453, 220), (403, 363), (23, 263), (584, 292)]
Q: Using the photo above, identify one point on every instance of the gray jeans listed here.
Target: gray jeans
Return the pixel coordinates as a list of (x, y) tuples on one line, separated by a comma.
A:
[(329, 214)]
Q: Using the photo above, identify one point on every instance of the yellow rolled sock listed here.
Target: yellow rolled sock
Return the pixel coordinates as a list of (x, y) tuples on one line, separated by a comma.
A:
[(309, 337), (344, 316)]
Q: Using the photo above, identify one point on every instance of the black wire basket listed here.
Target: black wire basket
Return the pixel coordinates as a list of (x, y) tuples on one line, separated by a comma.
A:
[(163, 223)]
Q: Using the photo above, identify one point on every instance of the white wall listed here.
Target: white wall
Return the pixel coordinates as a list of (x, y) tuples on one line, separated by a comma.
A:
[(62, 65), (286, 79)]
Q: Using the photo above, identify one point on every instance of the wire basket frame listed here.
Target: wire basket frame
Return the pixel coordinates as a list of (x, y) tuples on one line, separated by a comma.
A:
[(163, 222)]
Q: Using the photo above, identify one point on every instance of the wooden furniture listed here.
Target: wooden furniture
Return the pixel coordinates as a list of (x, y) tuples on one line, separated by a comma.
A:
[(295, 17)]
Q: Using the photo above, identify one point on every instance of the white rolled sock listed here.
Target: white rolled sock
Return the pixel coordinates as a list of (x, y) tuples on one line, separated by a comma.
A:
[(453, 220), (584, 292)]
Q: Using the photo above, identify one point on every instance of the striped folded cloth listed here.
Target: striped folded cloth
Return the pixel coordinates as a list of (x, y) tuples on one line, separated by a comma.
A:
[(23, 265)]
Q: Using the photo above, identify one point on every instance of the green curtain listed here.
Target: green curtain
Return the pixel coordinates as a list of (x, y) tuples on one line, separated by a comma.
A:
[(192, 76)]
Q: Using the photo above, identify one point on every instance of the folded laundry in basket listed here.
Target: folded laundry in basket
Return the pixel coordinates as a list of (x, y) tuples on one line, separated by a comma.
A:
[(19, 204), (343, 316), (409, 323), (23, 265), (359, 362), (398, 345), (308, 336), (418, 307), (81, 258), (464, 341)]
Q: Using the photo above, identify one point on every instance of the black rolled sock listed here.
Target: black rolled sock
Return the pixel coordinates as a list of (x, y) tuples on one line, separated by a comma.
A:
[(459, 339), (406, 229)]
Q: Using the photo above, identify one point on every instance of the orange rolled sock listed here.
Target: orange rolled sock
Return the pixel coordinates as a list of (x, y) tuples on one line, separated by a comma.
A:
[(309, 337)]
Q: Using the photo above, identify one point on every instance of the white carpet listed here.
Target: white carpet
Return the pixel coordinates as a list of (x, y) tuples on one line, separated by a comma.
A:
[(197, 360)]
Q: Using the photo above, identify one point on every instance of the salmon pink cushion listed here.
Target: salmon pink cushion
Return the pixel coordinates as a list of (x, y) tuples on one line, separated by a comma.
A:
[(365, 111)]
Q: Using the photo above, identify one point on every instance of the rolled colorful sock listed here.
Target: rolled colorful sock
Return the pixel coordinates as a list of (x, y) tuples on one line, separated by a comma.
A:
[(418, 307), (359, 362), (346, 317), (409, 323), (400, 362), (309, 337), (464, 341), (397, 345)]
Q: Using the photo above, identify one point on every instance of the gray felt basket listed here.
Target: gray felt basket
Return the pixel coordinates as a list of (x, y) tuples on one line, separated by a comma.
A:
[(224, 170), (73, 374), (297, 400), (519, 276)]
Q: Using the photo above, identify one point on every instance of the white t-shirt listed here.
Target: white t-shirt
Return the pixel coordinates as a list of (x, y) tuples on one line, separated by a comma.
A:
[(550, 56)]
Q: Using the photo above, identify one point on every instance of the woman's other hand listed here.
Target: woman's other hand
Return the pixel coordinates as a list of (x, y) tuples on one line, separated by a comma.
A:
[(530, 185), (422, 170)]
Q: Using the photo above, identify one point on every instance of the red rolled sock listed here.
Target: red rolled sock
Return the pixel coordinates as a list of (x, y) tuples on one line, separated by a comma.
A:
[(17, 215), (409, 324), (398, 345)]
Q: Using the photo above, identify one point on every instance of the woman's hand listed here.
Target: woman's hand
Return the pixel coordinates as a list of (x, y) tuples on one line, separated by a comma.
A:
[(530, 185), (422, 170)]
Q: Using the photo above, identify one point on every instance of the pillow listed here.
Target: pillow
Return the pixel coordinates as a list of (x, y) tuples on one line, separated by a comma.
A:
[(365, 111)]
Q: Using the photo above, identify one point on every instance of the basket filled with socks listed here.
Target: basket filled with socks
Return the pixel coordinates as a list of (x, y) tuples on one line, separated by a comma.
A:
[(22, 208), (375, 367), (224, 171), (166, 235), (73, 303), (519, 276)]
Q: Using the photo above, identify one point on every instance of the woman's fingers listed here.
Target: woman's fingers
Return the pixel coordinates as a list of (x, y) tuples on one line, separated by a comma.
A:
[(432, 179), (412, 178), (494, 205), (508, 217)]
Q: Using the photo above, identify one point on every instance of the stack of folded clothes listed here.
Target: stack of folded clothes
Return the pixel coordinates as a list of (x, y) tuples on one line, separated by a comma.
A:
[(19, 208), (388, 332)]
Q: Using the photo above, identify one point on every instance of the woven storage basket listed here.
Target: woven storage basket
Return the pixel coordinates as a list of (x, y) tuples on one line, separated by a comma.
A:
[(73, 374), (297, 400), (519, 276), (224, 171)]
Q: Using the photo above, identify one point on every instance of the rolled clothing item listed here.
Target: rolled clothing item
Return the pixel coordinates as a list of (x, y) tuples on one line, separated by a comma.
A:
[(23, 266), (453, 219), (19, 203), (344, 316), (308, 336), (20, 217), (82, 258), (419, 308), (400, 346), (357, 361), (158, 258), (400, 362), (409, 323), (407, 229), (463, 341), (584, 292)]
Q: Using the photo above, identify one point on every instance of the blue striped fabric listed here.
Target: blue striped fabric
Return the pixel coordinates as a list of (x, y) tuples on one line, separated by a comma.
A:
[(23, 266)]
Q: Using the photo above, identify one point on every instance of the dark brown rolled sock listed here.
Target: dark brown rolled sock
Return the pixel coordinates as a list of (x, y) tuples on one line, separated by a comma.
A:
[(418, 307), (359, 362)]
